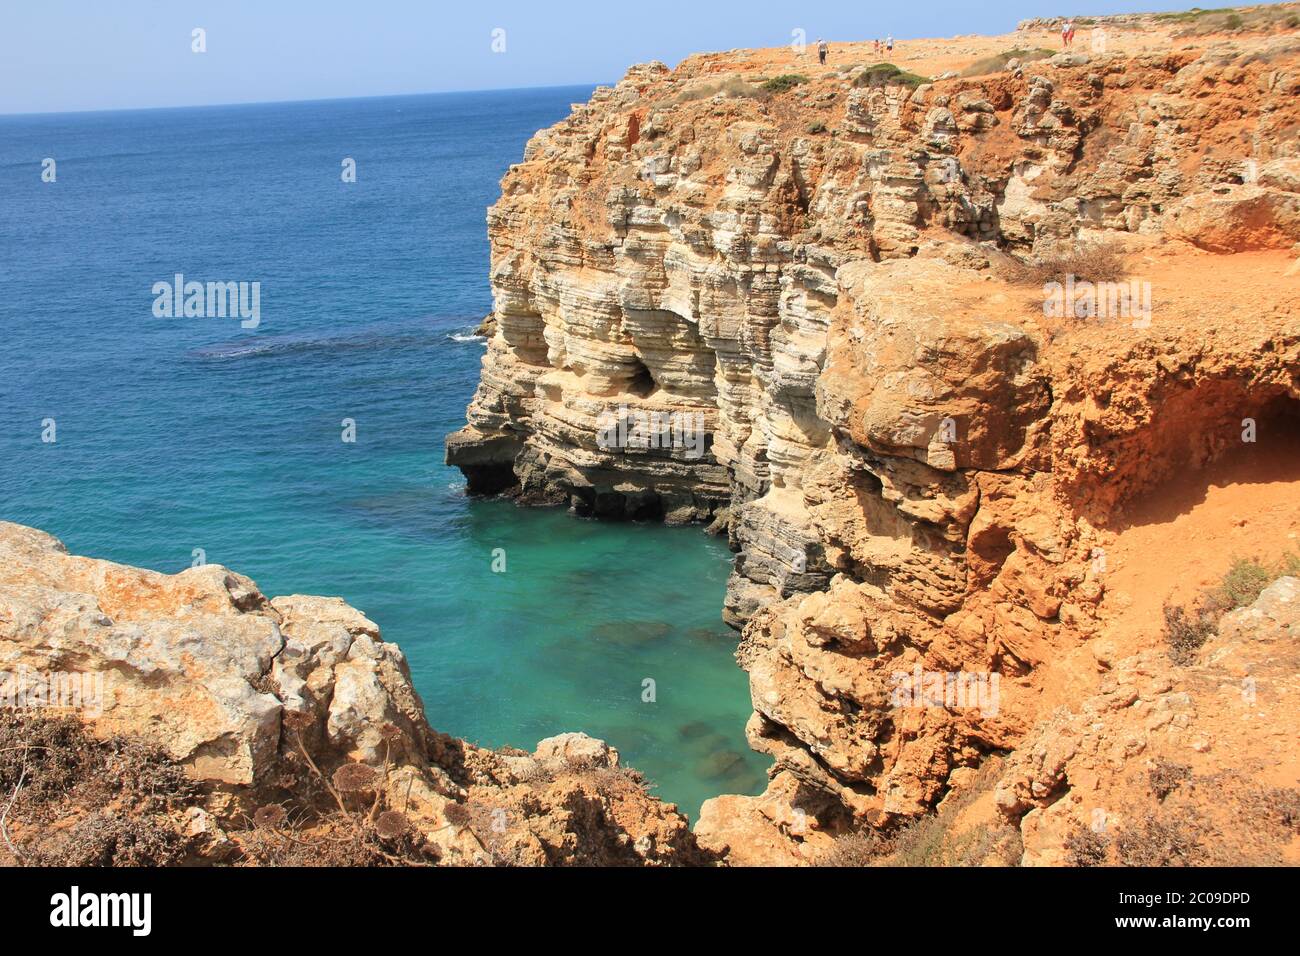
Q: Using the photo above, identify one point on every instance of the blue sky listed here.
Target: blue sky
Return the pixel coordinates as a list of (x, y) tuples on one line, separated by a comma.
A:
[(58, 55)]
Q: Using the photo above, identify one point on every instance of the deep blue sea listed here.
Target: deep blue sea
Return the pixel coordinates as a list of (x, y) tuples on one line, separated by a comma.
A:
[(176, 434)]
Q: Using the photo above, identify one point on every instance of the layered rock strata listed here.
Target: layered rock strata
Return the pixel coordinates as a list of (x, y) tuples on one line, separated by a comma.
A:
[(917, 462)]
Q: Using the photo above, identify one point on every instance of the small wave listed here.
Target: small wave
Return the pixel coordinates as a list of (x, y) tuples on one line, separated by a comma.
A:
[(235, 351), (402, 335)]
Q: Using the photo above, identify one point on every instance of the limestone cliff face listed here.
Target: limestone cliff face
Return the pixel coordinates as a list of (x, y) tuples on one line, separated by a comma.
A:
[(916, 465)]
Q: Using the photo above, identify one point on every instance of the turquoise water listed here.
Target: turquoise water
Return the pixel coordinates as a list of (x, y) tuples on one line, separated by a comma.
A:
[(175, 434)]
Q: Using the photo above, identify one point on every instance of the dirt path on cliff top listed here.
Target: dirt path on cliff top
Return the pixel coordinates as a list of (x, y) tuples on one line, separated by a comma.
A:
[(932, 56)]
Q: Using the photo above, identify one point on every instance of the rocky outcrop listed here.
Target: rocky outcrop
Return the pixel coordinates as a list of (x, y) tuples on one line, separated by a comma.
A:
[(919, 463), (1204, 751), (261, 700)]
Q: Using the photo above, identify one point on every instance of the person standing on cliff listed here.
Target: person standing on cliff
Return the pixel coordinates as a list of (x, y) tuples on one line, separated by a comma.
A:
[(822, 49), (1067, 28), (889, 44)]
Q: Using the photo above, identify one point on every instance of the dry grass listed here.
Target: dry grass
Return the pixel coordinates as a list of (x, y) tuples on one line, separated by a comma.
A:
[(997, 63), (933, 840), (732, 87), (1095, 262), (1266, 18), (72, 800)]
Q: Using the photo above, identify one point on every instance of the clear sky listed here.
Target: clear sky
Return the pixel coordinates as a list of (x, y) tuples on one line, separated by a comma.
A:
[(58, 55)]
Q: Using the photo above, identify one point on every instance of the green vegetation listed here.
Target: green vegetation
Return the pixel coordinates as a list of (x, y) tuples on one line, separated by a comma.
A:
[(1187, 629), (784, 82), (817, 127), (1265, 17), (1193, 14), (886, 74)]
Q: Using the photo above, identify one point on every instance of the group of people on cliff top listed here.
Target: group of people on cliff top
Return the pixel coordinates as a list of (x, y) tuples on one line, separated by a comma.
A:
[(1067, 33), (823, 48)]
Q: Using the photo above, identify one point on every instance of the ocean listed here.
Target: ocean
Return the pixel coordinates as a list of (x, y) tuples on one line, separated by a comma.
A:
[(178, 437)]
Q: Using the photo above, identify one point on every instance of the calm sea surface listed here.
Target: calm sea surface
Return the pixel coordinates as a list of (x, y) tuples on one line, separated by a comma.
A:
[(176, 434)]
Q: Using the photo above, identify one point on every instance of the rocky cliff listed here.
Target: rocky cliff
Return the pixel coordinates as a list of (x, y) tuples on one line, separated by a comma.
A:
[(274, 731), (957, 333)]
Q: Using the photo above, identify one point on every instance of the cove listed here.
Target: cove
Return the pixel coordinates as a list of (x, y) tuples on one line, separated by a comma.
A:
[(186, 434)]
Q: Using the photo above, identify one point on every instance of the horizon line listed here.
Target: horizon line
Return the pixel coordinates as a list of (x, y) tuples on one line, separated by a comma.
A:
[(315, 99)]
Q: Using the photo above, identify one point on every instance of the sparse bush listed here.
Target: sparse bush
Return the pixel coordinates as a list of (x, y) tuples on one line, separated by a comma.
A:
[(1156, 842), (1186, 632), (1245, 581), (1096, 262), (784, 82), (992, 64), (887, 74), (1086, 847), (1166, 777), (863, 848), (817, 127)]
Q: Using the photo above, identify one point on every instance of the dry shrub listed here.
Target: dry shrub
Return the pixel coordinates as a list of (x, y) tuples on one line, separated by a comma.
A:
[(998, 62), (1090, 262), (863, 848), (1084, 846), (112, 798), (355, 826), (105, 839), (1187, 631), (1165, 777), (1157, 842)]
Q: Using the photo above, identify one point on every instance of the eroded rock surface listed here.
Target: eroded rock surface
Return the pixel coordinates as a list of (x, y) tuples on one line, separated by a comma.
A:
[(919, 466), (242, 691)]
